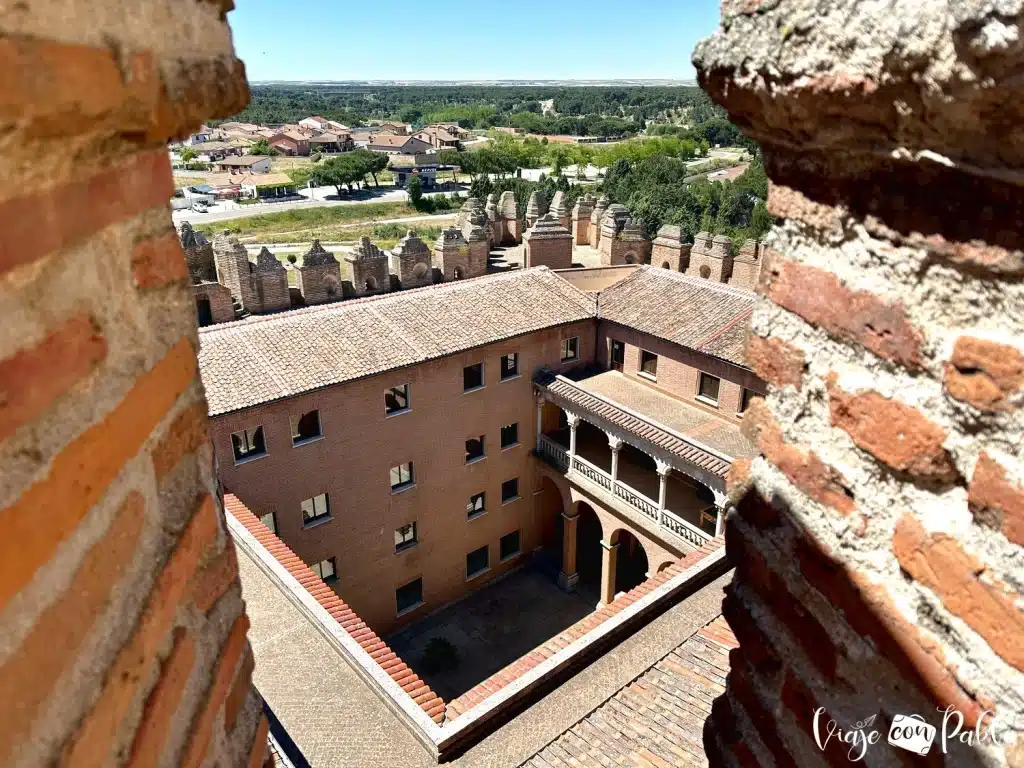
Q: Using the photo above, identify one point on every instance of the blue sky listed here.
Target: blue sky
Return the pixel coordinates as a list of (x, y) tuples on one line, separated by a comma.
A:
[(460, 40)]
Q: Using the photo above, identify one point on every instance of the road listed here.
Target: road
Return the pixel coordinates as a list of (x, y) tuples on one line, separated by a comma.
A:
[(228, 210)]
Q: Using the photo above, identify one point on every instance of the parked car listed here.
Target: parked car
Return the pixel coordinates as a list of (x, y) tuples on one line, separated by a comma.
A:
[(200, 208)]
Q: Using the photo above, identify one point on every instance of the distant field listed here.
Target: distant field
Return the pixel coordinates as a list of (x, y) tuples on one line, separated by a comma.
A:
[(384, 236), (260, 227)]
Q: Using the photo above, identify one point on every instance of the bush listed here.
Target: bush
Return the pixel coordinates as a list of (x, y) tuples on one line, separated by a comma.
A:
[(416, 193), (439, 656), (292, 258)]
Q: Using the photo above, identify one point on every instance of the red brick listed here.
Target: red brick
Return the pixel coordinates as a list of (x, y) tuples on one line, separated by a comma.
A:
[(996, 501), (239, 690), (32, 379), (90, 743), (159, 261), (215, 579), (801, 704), (743, 693), (790, 203), (28, 676), (754, 646), (81, 473), (186, 435), (259, 754), (985, 374), (163, 701), (896, 434), (856, 317), (984, 602), (202, 727), (776, 361), (40, 223)]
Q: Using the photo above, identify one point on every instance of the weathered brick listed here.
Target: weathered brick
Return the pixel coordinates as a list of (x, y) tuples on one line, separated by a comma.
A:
[(737, 480), (40, 223), (186, 434), (995, 500), (985, 374), (202, 726), (33, 378), (29, 675), (162, 704), (896, 434), (159, 261), (856, 317), (90, 744), (239, 690), (985, 603), (789, 203), (215, 579), (260, 753), (776, 361), (80, 474), (797, 698)]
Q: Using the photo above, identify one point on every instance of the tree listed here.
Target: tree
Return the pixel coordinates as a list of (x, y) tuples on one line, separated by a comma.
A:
[(452, 158), (188, 155), (337, 172), (259, 147), (415, 192), (376, 163)]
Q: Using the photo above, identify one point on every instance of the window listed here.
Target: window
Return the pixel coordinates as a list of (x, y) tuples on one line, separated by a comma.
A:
[(326, 569), (472, 377), (508, 546), (510, 490), (745, 399), (509, 365), (396, 400), (648, 364), (477, 562), (269, 520), (618, 355), (474, 449), (401, 476), (248, 444), (305, 427), (475, 506), (409, 596), (510, 435), (316, 509), (708, 389), (570, 349), (405, 537)]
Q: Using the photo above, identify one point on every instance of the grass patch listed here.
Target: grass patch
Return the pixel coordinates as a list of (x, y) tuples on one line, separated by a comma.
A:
[(302, 219)]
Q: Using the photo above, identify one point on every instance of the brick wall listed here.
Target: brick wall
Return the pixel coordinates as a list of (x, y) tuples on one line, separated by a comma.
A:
[(124, 635), (878, 540), (360, 445)]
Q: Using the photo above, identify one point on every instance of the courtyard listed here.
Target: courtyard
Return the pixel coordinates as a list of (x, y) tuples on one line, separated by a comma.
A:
[(490, 629)]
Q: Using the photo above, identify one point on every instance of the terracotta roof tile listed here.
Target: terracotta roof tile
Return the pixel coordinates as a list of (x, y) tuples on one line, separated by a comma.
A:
[(368, 640)]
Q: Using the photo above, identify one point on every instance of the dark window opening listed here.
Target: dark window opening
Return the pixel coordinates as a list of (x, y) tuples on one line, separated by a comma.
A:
[(305, 427), (509, 435), (476, 505), (396, 400), (709, 387), (508, 546), (570, 349), (618, 355), (649, 363), (474, 448), (248, 443), (472, 377), (409, 595), (510, 490), (509, 365), (204, 311), (477, 562)]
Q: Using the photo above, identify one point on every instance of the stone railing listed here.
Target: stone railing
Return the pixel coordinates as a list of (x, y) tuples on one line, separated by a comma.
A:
[(684, 530), (637, 500), (553, 452), (592, 473)]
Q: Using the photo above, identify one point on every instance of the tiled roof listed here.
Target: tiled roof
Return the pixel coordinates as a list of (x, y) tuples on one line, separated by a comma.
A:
[(270, 357), (577, 396), (500, 679), (690, 311), (658, 719), (368, 640)]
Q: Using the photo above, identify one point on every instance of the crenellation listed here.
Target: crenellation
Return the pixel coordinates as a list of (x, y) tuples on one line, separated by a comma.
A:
[(319, 277), (559, 209), (623, 241), (668, 250), (232, 262), (366, 270), (535, 208), (411, 261), (548, 244), (270, 283), (452, 253), (596, 215), (746, 266), (580, 224), (512, 225), (198, 254)]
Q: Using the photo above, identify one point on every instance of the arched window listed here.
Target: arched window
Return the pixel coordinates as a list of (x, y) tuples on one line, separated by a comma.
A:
[(371, 283), (420, 269), (666, 265), (705, 271), (459, 273)]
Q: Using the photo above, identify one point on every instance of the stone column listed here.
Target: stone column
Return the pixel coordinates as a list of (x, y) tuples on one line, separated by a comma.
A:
[(608, 563), (615, 444), (663, 472), (540, 420), (568, 577), (574, 422)]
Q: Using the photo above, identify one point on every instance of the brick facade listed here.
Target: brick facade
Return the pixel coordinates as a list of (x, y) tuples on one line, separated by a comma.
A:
[(222, 309), (124, 629), (548, 244), (580, 219), (872, 580)]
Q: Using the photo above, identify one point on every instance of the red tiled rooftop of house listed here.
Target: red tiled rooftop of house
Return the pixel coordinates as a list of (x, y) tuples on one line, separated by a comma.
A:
[(368, 640)]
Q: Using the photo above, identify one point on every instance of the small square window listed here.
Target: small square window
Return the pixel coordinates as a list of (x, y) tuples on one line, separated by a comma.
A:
[(477, 562), (618, 355), (316, 509), (402, 476), (649, 363), (305, 427), (508, 546), (476, 505), (509, 435), (409, 596), (474, 449), (405, 537), (270, 520), (709, 387), (472, 377), (396, 400), (570, 349), (326, 569), (745, 399), (248, 444), (509, 365), (510, 490)]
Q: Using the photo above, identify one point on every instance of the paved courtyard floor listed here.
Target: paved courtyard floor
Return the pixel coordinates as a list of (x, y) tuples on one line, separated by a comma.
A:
[(511, 257), (492, 628)]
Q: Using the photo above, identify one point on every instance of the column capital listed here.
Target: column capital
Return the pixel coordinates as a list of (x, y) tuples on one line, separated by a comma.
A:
[(609, 547), (663, 467), (615, 443), (721, 499), (539, 398), (568, 517), (572, 418)]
